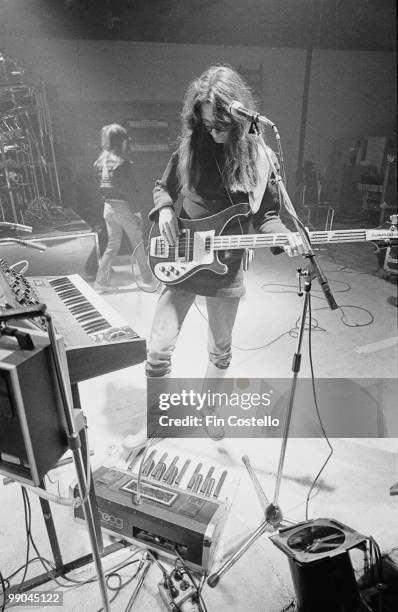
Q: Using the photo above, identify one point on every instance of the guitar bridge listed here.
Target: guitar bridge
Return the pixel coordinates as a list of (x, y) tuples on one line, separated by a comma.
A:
[(158, 247)]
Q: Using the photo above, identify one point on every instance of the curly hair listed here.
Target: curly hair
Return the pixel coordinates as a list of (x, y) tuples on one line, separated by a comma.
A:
[(219, 86)]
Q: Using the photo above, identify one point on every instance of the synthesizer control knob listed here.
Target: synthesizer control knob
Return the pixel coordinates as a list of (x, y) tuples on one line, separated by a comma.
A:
[(167, 273), (176, 272), (162, 269)]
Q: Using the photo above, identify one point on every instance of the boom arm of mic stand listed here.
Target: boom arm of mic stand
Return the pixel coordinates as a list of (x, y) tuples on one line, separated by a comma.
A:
[(323, 282), (309, 253), (280, 154)]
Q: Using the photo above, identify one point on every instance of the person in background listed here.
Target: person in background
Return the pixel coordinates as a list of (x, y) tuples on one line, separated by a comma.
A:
[(117, 188), (217, 164)]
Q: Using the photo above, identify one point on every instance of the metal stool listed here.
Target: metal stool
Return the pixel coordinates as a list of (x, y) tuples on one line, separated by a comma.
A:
[(319, 207)]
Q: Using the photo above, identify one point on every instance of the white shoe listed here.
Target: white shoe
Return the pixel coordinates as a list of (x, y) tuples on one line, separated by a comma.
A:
[(134, 440), (212, 371), (214, 432)]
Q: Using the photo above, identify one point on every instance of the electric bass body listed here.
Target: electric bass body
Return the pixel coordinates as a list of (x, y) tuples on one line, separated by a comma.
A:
[(196, 247)]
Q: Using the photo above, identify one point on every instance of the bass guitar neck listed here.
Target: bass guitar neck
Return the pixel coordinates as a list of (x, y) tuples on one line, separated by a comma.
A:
[(200, 241)]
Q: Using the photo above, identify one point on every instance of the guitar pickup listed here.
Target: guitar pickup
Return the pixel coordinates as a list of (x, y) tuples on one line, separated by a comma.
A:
[(161, 249), (182, 250)]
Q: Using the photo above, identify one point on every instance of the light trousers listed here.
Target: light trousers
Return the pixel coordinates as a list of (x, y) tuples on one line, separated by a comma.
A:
[(119, 218), (171, 310)]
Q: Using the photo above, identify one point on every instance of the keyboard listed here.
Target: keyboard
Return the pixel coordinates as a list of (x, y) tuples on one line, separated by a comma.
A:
[(97, 338)]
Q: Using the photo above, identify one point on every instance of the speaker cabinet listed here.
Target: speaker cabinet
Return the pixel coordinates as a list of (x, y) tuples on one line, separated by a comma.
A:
[(65, 253), (32, 421)]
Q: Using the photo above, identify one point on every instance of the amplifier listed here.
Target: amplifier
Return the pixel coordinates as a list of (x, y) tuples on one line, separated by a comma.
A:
[(321, 568), (169, 518), (66, 253)]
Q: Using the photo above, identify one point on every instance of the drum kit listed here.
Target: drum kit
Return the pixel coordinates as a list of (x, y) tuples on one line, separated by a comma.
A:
[(28, 172)]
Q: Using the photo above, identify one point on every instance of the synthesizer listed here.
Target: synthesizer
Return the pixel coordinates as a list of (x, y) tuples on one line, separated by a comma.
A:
[(184, 505), (97, 338)]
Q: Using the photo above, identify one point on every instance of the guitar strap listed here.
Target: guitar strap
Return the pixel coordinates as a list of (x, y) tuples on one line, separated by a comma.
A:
[(248, 253), (264, 174)]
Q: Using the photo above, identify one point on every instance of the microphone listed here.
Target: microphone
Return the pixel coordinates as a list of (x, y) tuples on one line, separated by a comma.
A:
[(236, 109)]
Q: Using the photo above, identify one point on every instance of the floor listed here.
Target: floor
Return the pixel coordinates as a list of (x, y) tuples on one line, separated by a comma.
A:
[(358, 343)]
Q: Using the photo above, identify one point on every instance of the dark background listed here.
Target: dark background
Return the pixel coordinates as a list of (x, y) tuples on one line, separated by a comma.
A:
[(343, 24), (323, 70)]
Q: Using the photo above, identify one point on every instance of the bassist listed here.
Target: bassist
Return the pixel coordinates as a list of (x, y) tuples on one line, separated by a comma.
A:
[(215, 166)]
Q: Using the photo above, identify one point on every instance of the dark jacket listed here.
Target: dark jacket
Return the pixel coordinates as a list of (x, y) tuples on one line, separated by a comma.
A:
[(115, 179)]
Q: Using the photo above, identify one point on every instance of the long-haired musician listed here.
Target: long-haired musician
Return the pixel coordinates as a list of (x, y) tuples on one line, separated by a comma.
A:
[(117, 187), (217, 164)]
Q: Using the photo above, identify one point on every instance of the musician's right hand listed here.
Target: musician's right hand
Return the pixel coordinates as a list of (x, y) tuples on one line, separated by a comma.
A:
[(168, 225)]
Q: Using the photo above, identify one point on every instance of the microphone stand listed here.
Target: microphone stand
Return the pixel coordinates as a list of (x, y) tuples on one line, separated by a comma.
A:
[(273, 517), (278, 146), (308, 251)]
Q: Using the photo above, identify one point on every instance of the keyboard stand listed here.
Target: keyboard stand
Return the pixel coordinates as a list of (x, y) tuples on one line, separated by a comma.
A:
[(73, 431), (61, 568)]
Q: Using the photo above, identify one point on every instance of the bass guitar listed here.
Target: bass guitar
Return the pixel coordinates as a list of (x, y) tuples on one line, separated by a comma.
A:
[(200, 240)]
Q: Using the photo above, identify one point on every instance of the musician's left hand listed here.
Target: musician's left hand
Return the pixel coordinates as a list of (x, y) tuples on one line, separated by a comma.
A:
[(295, 246)]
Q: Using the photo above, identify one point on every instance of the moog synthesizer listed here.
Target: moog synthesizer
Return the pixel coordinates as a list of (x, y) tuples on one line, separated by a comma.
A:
[(97, 338), (183, 506)]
